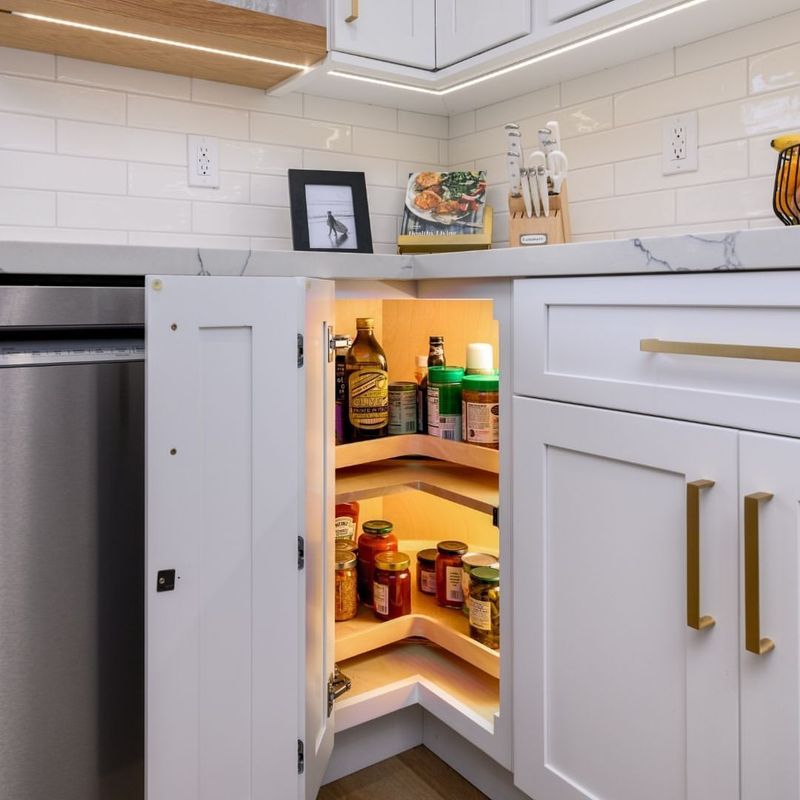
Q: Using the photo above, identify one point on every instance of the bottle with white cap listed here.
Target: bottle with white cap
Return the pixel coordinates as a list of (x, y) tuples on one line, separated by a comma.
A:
[(480, 359)]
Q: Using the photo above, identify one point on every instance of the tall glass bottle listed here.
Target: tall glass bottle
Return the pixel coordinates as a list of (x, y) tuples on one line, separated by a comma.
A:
[(436, 358), (367, 384), (436, 352)]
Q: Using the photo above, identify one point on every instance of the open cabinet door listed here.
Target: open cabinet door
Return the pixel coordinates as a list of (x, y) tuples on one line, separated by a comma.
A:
[(237, 470)]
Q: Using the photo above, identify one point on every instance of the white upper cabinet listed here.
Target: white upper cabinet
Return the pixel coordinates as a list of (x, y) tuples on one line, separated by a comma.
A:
[(465, 28), (402, 31), (558, 10), (230, 485)]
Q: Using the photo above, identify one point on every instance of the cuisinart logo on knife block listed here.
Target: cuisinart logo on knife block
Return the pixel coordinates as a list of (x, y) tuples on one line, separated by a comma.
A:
[(528, 239)]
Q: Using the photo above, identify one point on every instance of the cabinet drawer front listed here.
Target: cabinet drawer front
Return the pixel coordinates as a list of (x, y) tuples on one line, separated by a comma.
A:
[(651, 344)]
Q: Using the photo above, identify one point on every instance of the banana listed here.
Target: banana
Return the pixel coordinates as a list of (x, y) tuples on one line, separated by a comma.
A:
[(781, 143)]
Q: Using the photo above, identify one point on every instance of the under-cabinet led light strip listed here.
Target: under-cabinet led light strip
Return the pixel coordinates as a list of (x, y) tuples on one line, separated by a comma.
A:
[(597, 37), (157, 40)]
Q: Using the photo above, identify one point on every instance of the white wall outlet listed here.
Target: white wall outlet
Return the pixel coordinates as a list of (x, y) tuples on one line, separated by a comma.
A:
[(204, 162), (680, 143)]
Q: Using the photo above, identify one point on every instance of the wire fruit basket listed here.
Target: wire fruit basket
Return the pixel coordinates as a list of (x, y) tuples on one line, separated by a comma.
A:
[(787, 185)]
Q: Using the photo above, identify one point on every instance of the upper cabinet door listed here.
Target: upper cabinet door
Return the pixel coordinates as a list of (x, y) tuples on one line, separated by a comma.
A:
[(401, 31), (615, 695), (229, 489), (558, 10), (465, 28), (770, 702)]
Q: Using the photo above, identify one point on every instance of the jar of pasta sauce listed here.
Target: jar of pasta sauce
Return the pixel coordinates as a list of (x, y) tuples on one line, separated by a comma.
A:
[(426, 571), (448, 574), (392, 586), (377, 537)]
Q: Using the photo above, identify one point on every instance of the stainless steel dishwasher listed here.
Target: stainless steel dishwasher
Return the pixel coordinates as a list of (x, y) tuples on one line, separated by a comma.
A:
[(71, 543)]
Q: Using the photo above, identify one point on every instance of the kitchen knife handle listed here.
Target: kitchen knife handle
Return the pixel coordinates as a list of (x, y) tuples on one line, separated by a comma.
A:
[(353, 11)]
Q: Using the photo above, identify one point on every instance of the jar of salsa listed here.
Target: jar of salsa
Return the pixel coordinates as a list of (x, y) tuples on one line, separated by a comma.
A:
[(448, 574), (426, 571), (377, 537), (346, 521), (392, 587)]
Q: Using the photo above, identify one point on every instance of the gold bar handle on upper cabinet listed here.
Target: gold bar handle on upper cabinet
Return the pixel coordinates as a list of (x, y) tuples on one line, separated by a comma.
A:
[(752, 590), (751, 351), (693, 618), (353, 11)]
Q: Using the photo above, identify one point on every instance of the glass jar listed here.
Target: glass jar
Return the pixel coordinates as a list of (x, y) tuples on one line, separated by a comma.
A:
[(377, 537), (402, 408), (484, 607), (346, 521), (468, 562), (392, 587), (448, 574), (345, 594), (444, 402), (426, 571), (481, 410)]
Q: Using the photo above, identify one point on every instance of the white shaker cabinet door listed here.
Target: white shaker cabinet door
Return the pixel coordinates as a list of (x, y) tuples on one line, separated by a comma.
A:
[(400, 31), (465, 28), (770, 536), (558, 10), (236, 470), (615, 696)]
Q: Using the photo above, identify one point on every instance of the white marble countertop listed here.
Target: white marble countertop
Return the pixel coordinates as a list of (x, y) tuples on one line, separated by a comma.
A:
[(771, 248)]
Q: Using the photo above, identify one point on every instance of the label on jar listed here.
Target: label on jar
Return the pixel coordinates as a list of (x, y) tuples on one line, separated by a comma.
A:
[(452, 579), (344, 528), (427, 580), (481, 422), (480, 614), (433, 410), (380, 596), (465, 587), (450, 426), (369, 399)]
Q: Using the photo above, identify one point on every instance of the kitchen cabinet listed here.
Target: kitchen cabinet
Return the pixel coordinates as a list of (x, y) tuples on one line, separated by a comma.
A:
[(559, 10)]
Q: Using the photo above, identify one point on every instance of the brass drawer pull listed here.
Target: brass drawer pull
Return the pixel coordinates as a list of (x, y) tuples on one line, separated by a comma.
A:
[(752, 591), (353, 11), (693, 618), (756, 352)]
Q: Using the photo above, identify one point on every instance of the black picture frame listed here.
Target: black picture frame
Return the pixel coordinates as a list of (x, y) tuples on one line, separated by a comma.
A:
[(299, 180)]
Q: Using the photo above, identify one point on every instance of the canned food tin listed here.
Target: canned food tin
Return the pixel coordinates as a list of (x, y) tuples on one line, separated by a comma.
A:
[(402, 408)]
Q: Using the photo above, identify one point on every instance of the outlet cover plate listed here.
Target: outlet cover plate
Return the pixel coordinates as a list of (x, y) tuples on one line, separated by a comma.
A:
[(680, 144), (204, 161)]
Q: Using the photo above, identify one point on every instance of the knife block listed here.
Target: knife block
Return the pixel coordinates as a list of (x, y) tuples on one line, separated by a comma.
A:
[(526, 231)]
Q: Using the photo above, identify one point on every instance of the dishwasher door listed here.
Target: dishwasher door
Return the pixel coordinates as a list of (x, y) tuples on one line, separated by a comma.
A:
[(71, 581)]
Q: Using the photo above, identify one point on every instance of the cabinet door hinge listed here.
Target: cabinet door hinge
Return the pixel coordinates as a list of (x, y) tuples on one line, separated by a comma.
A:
[(338, 684), (301, 757), (300, 350), (301, 552)]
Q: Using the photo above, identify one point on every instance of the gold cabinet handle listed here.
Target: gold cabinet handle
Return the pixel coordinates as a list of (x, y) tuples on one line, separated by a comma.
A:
[(353, 11), (693, 618), (756, 352), (752, 591)]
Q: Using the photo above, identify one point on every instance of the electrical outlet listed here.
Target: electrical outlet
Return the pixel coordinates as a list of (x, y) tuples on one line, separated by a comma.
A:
[(204, 162), (680, 142)]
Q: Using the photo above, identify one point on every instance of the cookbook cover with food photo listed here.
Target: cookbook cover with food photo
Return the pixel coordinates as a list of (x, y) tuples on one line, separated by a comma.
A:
[(445, 211)]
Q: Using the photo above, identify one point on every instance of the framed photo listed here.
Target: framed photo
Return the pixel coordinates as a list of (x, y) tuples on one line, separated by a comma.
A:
[(329, 211)]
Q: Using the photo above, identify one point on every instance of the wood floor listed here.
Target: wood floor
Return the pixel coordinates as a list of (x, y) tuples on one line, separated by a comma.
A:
[(414, 775)]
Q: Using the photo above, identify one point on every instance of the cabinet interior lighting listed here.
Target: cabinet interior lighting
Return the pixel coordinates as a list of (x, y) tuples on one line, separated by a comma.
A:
[(158, 40), (548, 54)]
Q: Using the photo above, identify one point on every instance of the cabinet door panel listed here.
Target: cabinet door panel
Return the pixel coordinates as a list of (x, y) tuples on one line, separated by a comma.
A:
[(558, 10), (770, 700), (467, 27), (615, 697), (403, 31)]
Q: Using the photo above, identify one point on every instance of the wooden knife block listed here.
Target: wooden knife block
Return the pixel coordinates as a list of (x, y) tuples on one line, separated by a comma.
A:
[(526, 231)]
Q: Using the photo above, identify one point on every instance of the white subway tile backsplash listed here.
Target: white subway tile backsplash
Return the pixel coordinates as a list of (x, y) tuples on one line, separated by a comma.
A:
[(767, 222), (330, 109), (592, 116), (748, 199), (13, 233), (407, 168), (768, 113), (61, 100), (61, 173), (634, 211), (116, 141), (763, 159), (432, 125), (152, 239), (276, 129), (386, 144), (461, 124), (158, 113), (27, 62), (152, 180), (377, 171), (518, 108), (123, 213), (591, 183), (383, 200), (19, 132), (26, 207), (258, 158), (620, 144), (127, 79), (384, 228), (245, 97), (240, 220), (269, 190), (775, 70), (444, 151)]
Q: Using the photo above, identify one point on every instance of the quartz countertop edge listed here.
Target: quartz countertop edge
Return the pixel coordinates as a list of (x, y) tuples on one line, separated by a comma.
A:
[(763, 249)]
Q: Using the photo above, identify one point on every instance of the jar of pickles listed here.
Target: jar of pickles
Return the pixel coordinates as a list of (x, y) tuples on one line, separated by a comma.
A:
[(426, 571), (484, 607), (345, 594), (468, 562), (377, 537), (448, 574), (392, 585)]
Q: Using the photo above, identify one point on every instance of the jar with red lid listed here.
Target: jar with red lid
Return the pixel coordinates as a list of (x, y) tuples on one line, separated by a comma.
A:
[(448, 574), (426, 571), (392, 585), (377, 537)]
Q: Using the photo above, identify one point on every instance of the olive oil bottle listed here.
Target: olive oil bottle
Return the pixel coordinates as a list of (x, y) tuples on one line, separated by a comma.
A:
[(367, 385)]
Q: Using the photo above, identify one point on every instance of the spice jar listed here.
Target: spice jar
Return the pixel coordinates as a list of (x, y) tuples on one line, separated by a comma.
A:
[(377, 537), (448, 574), (426, 571), (402, 408), (468, 562), (481, 410), (345, 594), (392, 587), (484, 608), (346, 521), (444, 402)]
